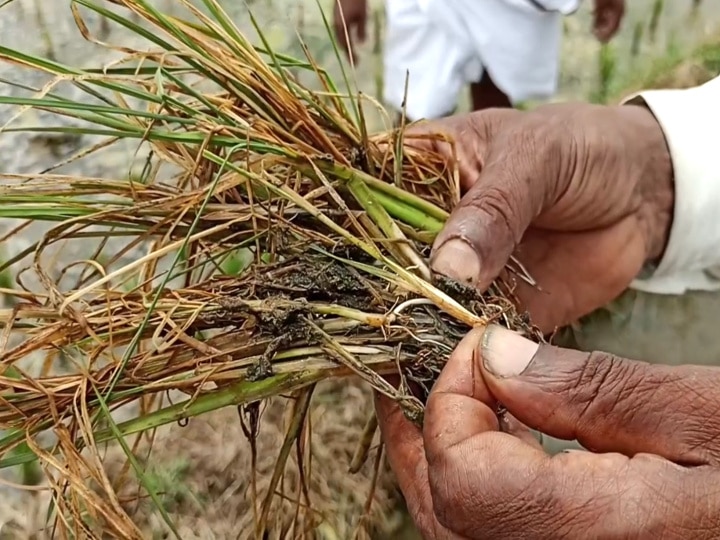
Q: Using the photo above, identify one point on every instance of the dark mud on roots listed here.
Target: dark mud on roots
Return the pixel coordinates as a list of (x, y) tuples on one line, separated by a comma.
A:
[(291, 291)]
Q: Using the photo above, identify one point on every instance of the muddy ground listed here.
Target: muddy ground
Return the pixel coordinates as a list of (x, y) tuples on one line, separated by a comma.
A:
[(202, 468)]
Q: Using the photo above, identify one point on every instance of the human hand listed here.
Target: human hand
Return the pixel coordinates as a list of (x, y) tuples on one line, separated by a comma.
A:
[(349, 22), (581, 194), (607, 17), (657, 426)]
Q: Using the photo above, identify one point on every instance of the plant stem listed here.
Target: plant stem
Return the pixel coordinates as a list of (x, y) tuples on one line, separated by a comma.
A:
[(408, 214), (237, 394), (385, 223), (374, 184)]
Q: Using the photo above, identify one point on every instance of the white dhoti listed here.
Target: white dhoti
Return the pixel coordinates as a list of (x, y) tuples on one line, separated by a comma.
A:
[(445, 45)]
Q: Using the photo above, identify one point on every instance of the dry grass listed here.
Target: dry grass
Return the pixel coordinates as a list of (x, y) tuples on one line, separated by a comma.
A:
[(216, 494), (335, 227)]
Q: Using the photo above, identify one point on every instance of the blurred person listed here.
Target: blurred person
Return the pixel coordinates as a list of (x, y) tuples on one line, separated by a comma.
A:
[(508, 51)]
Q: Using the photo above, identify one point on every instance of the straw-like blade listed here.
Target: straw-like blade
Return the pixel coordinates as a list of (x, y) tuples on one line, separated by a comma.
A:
[(268, 244)]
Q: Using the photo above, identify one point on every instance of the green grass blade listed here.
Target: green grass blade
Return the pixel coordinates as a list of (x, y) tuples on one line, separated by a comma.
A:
[(338, 55)]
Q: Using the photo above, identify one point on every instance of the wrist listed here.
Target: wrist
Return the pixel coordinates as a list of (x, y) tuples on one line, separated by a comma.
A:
[(690, 120), (656, 181)]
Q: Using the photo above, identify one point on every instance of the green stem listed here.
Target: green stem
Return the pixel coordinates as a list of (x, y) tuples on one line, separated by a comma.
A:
[(389, 189), (386, 224), (423, 237), (237, 394), (400, 204), (410, 215)]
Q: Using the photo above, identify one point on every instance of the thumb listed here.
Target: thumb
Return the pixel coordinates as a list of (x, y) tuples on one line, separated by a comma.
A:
[(488, 223), (608, 404)]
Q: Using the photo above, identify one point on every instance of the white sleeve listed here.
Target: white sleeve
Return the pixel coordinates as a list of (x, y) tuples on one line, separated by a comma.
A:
[(690, 120)]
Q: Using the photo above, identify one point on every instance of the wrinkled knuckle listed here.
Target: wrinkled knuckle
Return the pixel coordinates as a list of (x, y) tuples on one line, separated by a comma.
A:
[(543, 131), (608, 384), (701, 519), (672, 505), (565, 159), (498, 203), (698, 425), (541, 151), (443, 475), (456, 499)]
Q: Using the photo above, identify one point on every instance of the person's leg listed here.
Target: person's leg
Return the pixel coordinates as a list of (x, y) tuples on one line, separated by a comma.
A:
[(483, 95), (486, 95), (432, 57)]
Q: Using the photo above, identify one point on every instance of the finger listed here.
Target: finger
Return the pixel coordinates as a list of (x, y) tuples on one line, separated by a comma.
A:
[(486, 226), (404, 445), (608, 404), (489, 482), (482, 480), (460, 140), (459, 404), (459, 408), (512, 426), (494, 486)]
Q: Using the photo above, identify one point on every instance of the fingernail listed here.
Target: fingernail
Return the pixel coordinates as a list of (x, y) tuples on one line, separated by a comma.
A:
[(506, 353), (456, 259)]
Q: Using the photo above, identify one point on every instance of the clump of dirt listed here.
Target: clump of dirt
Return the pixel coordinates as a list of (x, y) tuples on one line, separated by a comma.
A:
[(315, 279)]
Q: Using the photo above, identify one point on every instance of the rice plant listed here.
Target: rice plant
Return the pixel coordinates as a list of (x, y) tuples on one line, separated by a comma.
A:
[(288, 246)]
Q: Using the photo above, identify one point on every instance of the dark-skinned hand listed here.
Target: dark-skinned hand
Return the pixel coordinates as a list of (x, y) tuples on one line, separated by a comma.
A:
[(581, 194), (468, 475), (607, 16)]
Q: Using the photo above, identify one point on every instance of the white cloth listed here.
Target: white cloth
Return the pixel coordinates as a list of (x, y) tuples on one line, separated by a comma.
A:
[(690, 120), (446, 44)]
